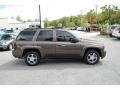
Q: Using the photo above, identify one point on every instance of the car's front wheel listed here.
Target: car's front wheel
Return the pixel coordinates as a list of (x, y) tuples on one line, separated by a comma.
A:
[(32, 58), (91, 57)]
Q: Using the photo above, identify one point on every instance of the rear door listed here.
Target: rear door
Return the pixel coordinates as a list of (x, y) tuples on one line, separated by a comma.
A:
[(45, 43)]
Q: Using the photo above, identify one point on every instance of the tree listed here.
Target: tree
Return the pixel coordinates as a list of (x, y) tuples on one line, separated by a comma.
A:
[(109, 13), (36, 20), (18, 18), (12, 17), (59, 25), (91, 17), (29, 20), (84, 22), (71, 24), (54, 23), (64, 21), (46, 23)]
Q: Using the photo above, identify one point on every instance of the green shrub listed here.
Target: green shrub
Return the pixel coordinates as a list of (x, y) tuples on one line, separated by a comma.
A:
[(103, 31)]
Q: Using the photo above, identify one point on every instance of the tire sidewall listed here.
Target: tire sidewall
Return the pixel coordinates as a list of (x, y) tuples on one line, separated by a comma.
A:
[(91, 51), (32, 52)]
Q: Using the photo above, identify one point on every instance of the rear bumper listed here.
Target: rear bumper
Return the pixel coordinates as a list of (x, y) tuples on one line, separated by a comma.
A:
[(17, 53)]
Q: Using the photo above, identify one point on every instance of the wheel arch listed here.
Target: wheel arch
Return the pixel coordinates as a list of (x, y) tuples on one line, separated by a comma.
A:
[(93, 48), (31, 49)]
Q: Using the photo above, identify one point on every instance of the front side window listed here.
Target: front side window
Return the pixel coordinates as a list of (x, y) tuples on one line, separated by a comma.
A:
[(63, 36), (45, 35), (26, 36)]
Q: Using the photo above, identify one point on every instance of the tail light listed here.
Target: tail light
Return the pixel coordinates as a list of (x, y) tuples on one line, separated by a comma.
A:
[(14, 45)]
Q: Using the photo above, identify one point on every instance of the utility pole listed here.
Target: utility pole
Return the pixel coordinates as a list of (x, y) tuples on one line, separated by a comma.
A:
[(40, 15), (96, 7), (109, 9), (80, 17)]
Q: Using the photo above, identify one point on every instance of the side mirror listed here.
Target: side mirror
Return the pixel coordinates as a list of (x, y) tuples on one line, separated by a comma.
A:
[(74, 40), (22, 39)]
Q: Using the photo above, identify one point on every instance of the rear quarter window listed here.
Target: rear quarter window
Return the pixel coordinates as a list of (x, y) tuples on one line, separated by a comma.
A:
[(26, 36)]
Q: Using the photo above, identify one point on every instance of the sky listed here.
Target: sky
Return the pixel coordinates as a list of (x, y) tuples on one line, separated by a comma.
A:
[(51, 9)]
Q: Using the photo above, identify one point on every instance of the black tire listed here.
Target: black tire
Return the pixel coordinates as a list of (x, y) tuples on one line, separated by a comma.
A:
[(31, 62), (118, 38), (91, 60), (110, 35)]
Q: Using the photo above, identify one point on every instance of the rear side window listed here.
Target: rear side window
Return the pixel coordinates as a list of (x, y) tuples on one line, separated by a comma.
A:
[(45, 35), (26, 36)]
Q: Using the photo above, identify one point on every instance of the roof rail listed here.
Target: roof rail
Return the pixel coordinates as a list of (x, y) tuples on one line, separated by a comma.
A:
[(41, 28)]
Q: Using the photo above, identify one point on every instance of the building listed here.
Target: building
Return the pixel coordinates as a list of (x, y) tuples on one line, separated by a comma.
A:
[(9, 23)]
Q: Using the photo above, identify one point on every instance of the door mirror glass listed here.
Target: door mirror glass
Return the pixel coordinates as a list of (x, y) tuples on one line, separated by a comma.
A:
[(74, 40), (22, 39)]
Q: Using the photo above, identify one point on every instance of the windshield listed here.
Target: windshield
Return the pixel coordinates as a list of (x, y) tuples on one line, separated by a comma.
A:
[(117, 28), (9, 31), (113, 27), (5, 37), (2, 31)]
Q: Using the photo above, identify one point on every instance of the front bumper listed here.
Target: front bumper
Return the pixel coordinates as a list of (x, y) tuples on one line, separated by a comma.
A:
[(116, 35), (3, 47)]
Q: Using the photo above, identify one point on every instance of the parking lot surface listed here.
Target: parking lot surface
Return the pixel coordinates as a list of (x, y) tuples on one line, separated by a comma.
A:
[(63, 72)]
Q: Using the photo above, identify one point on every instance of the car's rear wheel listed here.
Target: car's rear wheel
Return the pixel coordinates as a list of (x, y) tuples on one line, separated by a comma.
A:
[(32, 58), (91, 57)]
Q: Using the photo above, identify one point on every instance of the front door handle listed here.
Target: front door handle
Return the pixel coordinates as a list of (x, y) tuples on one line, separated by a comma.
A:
[(62, 45)]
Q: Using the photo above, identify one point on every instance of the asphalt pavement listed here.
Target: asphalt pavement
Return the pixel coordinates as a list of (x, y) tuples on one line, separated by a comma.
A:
[(63, 72)]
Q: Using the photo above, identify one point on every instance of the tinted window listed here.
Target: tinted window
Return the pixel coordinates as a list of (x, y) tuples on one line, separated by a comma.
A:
[(2, 31), (63, 36), (45, 35), (26, 36), (117, 28), (6, 37), (9, 31), (13, 36), (113, 27)]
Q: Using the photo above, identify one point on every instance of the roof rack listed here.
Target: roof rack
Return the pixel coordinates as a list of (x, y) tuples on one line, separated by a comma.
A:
[(41, 28)]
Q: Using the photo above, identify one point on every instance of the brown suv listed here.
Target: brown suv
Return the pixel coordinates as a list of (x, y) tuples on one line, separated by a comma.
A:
[(36, 44)]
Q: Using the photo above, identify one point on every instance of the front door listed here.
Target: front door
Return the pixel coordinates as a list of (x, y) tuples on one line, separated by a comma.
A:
[(64, 47)]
